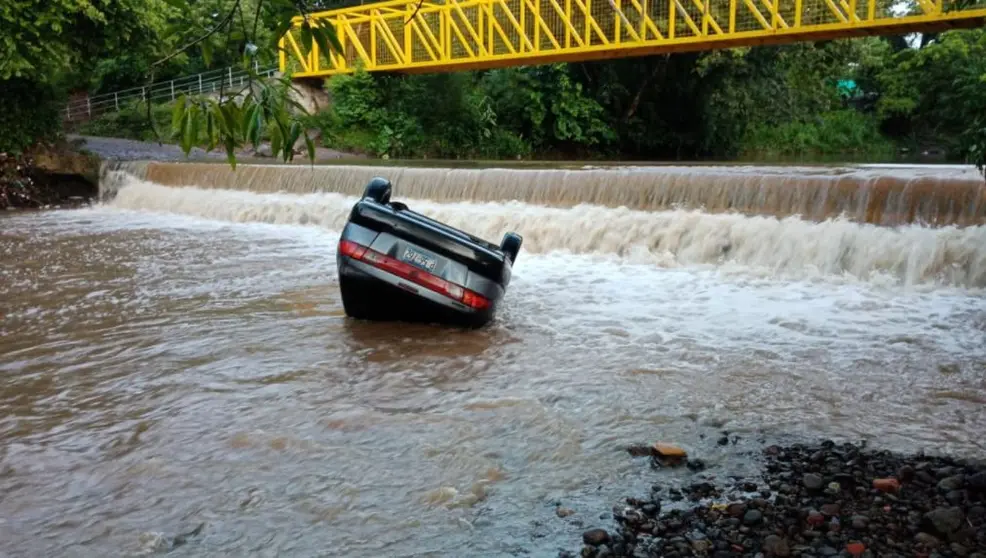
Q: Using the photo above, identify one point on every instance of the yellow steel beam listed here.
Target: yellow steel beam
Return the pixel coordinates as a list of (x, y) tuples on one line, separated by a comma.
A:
[(451, 35)]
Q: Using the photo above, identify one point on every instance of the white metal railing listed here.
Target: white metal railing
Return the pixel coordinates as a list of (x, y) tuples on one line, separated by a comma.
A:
[(163, 91)]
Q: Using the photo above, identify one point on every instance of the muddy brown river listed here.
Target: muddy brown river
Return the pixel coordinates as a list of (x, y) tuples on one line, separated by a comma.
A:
[(175, 362)]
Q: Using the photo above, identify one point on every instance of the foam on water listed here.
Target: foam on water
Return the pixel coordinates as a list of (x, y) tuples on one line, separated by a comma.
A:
[(788, 247)]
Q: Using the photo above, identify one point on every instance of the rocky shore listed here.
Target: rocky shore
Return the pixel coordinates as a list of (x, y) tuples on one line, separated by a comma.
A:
[(821, 500), (48, 175), (66, 173)]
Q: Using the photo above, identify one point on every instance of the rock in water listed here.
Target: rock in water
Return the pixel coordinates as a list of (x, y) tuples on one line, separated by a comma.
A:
[(668, 454), (595, 537), (561, 511)]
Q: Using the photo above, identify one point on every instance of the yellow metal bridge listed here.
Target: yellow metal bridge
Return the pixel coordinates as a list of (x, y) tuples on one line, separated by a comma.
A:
[(448, 35)]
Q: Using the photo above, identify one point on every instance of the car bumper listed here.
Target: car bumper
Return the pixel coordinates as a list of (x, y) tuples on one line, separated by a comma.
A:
[(380, 295)]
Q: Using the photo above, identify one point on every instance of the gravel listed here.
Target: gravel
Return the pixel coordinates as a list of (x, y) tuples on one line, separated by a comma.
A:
[(823, 499)]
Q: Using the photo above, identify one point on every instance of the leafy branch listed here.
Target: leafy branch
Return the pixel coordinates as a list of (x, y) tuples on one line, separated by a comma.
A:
[(264, 110)]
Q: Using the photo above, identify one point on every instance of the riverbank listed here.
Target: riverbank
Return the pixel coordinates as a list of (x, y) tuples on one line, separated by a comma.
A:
[(66, 172), (49, 174), (822, 499)]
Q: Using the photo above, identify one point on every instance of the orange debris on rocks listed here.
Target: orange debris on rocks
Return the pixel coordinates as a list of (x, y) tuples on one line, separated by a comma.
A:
[(886, 485), (668, 455), (856, 548), (669, 451)]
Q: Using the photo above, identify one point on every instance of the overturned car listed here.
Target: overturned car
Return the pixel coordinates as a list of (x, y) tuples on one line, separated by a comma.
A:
[(399, 265)]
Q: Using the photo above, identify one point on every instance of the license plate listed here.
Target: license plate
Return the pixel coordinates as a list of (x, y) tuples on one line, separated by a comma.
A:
[(414, 257)]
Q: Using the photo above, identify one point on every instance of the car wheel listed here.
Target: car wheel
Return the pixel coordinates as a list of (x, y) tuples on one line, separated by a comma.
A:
[(378, 190), (510, 245)]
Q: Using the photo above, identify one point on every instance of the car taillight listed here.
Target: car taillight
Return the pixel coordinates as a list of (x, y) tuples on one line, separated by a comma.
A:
[(351, 249), (478, 302), (413, 274)]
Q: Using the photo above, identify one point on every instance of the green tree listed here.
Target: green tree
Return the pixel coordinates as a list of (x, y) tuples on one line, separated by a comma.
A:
[(51, 45), (935, 95), (43, 43), (41, 39)]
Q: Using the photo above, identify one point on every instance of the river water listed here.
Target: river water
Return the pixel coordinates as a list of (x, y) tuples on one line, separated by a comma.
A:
[(176, 360)]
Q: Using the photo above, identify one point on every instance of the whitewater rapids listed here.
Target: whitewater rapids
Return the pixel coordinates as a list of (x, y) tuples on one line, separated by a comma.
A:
[(789, 247)]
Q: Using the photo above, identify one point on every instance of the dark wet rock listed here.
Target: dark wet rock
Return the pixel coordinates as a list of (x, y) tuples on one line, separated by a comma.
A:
[(183, 538), (595, 537), (638, 450), (860, 522), (955, 497), (977, 482), (736, 509), (946, 471), (949, 484), (946, 520), (906, 473), (929, 541), (701, 546), (752, 517), (924, 477), (812, 481), (695, 465), (774, 545), (830, 510)]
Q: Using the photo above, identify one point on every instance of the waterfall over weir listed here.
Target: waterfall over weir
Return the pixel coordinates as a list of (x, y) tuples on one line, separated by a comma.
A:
[(580, 219), (933, 196)]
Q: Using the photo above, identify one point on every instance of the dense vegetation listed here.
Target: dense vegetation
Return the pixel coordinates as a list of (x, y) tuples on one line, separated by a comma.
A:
[(859, 99), (863, 99)]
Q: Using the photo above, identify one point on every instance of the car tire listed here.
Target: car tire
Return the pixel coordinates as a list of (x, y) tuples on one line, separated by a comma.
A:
[(378, 190), (510, 245)]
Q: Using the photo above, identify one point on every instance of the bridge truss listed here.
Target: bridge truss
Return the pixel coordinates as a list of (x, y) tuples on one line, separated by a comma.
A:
[(450, 35)]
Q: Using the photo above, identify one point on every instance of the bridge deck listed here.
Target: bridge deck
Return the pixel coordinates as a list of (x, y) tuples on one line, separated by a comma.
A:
[(451, 35)]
